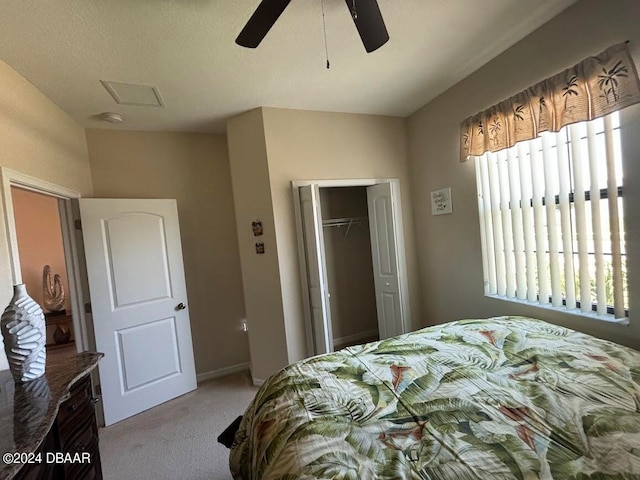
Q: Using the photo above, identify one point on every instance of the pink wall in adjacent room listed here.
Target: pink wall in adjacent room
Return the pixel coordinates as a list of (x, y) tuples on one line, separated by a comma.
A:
[(39, 240)]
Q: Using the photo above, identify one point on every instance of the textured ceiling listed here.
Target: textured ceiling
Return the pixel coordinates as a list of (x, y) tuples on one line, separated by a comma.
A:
[(186, 48)]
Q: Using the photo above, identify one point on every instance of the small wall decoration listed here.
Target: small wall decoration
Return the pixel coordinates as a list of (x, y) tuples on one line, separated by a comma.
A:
[(257, 228), (441, 202), (260, 248)]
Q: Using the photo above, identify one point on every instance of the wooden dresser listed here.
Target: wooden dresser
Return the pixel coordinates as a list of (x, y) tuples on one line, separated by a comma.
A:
[(53, 430)]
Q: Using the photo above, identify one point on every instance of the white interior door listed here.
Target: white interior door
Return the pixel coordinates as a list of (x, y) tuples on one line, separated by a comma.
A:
[(316, 268), (384, 223), (139, 303)]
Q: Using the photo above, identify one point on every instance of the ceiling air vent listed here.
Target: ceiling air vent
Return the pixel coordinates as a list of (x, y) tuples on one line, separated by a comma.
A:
[(131, 94)]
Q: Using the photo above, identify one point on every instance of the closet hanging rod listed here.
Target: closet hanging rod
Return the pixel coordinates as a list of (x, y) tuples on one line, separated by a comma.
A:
[(338, 222)]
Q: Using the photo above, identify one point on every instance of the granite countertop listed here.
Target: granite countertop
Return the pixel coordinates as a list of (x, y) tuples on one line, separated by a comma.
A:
[(28, 410)]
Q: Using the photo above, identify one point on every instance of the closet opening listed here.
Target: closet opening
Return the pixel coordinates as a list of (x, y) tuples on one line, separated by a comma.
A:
[(352, 261), (347, 247)]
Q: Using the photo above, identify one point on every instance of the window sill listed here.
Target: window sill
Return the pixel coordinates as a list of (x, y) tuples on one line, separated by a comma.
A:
[(574, 312)]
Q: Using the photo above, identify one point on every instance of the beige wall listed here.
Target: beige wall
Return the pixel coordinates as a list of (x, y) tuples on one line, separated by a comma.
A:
[(269, 148), (260, 276), (193, 168), (450, 256), (307, 145), (39, 241), (39, 139)]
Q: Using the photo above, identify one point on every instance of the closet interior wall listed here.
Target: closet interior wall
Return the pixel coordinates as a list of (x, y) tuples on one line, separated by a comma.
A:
[(349, 265)]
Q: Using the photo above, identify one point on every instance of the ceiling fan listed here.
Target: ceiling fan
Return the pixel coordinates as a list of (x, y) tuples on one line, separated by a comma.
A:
[(365, 13)]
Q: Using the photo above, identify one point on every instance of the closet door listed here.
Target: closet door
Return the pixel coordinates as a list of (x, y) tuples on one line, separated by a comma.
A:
[(384, 224), (316, 268)]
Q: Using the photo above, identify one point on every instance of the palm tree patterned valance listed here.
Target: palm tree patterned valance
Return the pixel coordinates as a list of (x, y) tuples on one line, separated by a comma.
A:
[(593, 88)]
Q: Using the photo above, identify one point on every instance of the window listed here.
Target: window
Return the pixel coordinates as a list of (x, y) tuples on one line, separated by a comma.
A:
[(551, 220), (550, 185)]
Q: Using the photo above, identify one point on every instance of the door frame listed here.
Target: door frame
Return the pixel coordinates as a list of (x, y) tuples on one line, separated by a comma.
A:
[(302, 257), (11, 178)]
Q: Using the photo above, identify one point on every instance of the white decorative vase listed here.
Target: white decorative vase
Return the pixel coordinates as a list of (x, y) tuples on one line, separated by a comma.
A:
[(23, 330)]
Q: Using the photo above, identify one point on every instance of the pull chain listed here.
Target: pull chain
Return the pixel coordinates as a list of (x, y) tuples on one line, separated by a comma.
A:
[(324, 28), (354, 12)]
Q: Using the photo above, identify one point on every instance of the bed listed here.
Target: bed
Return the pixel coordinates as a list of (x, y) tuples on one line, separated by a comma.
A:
[(499, 398)]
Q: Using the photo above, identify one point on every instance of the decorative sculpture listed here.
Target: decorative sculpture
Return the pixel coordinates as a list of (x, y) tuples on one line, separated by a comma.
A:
[(23, 330), (52, 290)]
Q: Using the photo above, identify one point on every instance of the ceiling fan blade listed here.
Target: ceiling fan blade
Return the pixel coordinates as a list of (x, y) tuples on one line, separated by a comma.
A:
[(261, 22), (369, 23)]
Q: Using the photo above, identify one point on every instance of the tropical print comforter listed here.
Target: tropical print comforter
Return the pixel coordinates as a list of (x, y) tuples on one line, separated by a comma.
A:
[(499, 398)]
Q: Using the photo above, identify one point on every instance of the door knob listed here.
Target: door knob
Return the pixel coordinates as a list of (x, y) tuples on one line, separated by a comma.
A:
[(181, 306)]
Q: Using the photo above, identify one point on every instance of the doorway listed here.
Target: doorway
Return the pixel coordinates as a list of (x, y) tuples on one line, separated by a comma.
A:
[(144, 263), (59, 198), (340, 276), (42, 262)]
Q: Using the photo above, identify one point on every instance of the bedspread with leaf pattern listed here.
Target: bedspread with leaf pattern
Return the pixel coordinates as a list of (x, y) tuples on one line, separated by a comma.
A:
[(500, 398)]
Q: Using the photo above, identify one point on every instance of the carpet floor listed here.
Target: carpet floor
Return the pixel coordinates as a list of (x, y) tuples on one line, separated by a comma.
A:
[(177, 440)]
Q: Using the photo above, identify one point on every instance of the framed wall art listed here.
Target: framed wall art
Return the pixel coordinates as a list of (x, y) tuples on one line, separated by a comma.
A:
[(441, 202)]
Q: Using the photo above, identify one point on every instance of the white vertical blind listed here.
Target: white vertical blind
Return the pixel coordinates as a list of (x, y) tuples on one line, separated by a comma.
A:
[(515, 199), (507, 227), (545, 230), (540, 219), (565, 218), (526, 195), (580, 211), (596, 222), (550, 191), (484, 225), (487, 217), (496, 216), (614, 224)]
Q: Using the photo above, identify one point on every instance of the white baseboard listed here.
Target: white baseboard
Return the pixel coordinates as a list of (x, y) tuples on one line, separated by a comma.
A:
[(257, 381), (355, 338), (221, 372)]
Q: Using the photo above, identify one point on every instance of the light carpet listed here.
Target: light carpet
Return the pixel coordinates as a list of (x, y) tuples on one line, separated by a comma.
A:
[(177, 440)]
